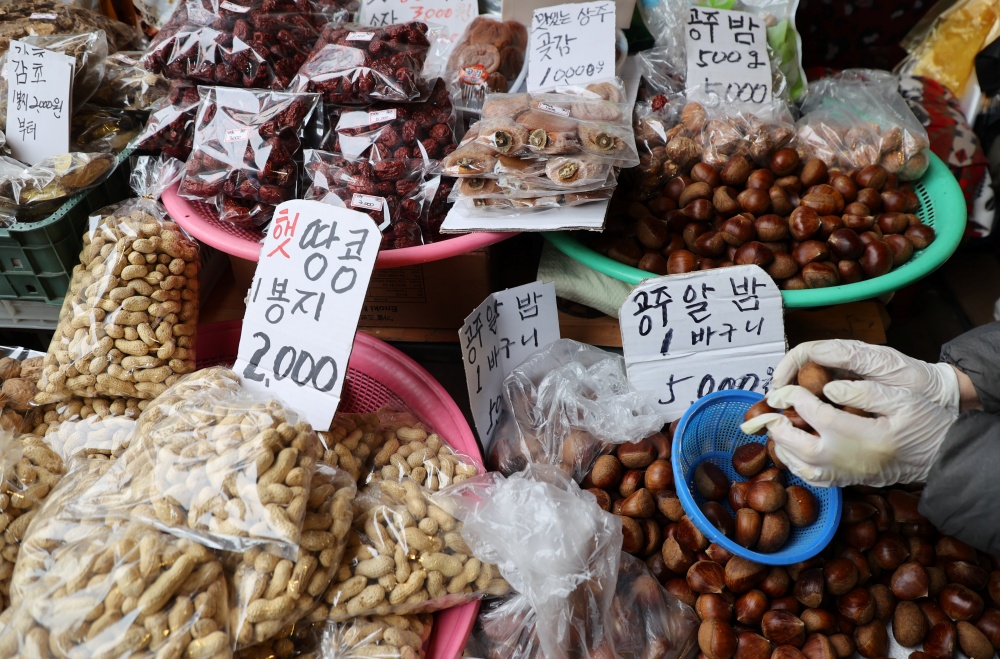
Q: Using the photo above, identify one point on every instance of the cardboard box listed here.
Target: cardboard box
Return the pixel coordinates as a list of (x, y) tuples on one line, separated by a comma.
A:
[(436, 295)]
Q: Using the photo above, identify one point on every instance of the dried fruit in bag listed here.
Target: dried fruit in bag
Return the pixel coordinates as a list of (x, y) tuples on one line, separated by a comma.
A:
[(170, 127), (32, 192), (53, 17), (249, 44), (503, 135), (487, 59), (127, 324), (603, 140), (128, 85), (549, 134), (106, 130), (470, 159), (247, 144), (354, 64)]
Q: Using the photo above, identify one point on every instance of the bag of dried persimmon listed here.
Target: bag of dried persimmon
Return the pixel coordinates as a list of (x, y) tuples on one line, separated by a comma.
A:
[(127, 325)]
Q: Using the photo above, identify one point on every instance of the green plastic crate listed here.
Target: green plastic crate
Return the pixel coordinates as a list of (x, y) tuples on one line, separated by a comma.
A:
[(942, 206), (37, 258)]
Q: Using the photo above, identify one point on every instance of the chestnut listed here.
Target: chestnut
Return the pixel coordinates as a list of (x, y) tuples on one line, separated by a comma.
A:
[(736, 171), (814, 172), (760, 179), (776, 582), (712, 606), (677, 558), (710, 243), (633, 539), (711, 482), (681, 261), (659, 476), (651, 232), (631, 481), (989, 624), (706, 577), (857, 605), (700, 210), (787, 652), (803, 223), (690, 536), (653, 262), (772, 228), (695, 190), (766, 496), (743, 574), (772, 452), (787, 603), (892, 222), (749, 459), (658, 568), (738, 495), (845, 244), (909, 626), (704, 173), (781, 202), (850, 272), (890, 551), (738, 230), (755, 201), (653, 535), (783, 628), (774, 531), (782, 267), (883, 514), (640, 504), (752, 646), (603, 498), (940, 640), (724, 201), (784, 161), (818, 646), (754, 253), (870, 198), (801, 506), (872, 639), (894, 201), (936, 580), (993, 587), (669, 505), (843, 645), (858, 223), (973, 642), (718, 516), (770, 474), (840, 576), (960, 603), (828, 224), (627, 251), (607, 472), (874, 177), (679, 588), (811, 251), (716, 639), (819, 621), (820, 275), (718, 553), (675, 243), (845, 186), (856, 510), (750, 607), (902, 249), (876, 259), (920, 235), (748, 525), (885, 602), (909, 581), (947, 548), (809, 588)]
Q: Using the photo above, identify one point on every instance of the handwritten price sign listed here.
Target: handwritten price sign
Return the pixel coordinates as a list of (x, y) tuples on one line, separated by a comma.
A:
[(453, 15), (38, 101), (727, 58), (686, 336), (305, 300), (571, 45)]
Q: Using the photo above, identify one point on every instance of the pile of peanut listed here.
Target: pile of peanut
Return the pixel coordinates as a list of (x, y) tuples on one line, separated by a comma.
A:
[(126, 329)]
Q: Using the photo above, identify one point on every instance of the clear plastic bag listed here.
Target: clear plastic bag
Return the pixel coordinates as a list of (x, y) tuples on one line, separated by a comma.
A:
[(247, 145), (170, 128), (215, 463), (105, 130), (374, 637), (129, 86), (407, 555), (28, 471), (666, 628), (665, 20), (560, 174), (246, 44), (273, 592), (87, 586), (32, 192), (731, 129), (555, 547), (655, 124), (89, 50), (858, 118), (399, 131), (487, 59), (566, 404), (127, 324), (72, 426), (594, 121), (53, 17), (354, 64)]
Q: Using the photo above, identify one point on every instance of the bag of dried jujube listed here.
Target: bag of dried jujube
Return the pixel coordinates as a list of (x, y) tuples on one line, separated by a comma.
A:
[(247, 146), (354, 64), (127, 325), (216, 463), (169, 129)]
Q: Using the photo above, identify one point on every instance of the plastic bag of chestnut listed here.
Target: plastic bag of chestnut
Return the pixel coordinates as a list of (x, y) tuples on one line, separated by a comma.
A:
[(857, 118), (564, 406)]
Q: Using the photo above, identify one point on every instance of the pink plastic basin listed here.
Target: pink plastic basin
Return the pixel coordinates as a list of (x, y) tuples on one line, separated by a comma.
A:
[(379, 375), (202, 222)]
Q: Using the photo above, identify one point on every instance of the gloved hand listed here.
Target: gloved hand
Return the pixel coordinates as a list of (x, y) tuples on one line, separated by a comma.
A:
[(896, 447), (937, 383)]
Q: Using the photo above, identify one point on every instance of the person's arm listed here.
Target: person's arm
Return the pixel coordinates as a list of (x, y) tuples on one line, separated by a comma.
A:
[(976, 354), (963, 486)]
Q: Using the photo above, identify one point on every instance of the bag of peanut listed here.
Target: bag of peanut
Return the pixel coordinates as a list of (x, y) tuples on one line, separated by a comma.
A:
[(127, 325)]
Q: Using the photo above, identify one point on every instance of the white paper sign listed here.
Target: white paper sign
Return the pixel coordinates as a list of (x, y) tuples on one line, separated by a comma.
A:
[(39, 96), (304, 303), (453, 15), (501, 333), (686, 336), (571, 44), (727, 57)]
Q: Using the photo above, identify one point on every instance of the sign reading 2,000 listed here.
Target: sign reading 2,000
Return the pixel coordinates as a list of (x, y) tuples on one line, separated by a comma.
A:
[(301, 366)]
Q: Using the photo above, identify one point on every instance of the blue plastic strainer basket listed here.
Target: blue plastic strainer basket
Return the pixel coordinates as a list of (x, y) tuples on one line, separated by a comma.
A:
[(710, 432)]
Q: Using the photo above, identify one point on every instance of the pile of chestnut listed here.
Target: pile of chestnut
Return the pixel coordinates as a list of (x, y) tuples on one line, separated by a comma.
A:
[(808, 226), (887, 563)]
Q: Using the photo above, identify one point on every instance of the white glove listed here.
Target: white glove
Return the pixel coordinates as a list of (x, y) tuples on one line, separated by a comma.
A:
[(896, 447), (937, 383)]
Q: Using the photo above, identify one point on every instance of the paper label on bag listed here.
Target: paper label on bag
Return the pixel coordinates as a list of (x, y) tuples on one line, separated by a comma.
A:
[(727, 60), (502, 332), (237, 134), (451, 15), (232, 6), (360, 36), (367, 202), (686, 336), (571, 44), (473, 75), (381, 115), (562, 112), (43, 17), (39, 95), (304, 303)]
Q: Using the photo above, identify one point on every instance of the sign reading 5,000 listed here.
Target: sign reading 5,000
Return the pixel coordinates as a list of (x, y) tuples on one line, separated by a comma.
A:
[(304, 305)]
